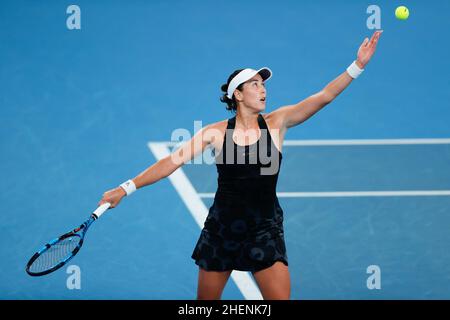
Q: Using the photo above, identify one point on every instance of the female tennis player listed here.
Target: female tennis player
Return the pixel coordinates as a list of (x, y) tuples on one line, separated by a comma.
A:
[(244, 226)]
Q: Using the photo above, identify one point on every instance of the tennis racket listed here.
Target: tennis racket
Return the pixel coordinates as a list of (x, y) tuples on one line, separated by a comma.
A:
[(59, 251)]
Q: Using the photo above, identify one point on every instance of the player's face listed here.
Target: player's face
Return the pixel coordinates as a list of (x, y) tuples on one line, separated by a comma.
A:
[(253, 94)]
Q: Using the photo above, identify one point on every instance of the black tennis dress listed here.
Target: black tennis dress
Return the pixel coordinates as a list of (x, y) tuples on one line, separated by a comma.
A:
[(244, 227)]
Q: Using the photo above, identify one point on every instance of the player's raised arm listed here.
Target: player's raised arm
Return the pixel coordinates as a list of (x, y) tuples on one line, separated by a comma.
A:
[(161, 168), (293, 115)]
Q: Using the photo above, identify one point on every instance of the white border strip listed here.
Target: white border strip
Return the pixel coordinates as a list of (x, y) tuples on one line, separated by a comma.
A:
[(413, 193), (199, 211)]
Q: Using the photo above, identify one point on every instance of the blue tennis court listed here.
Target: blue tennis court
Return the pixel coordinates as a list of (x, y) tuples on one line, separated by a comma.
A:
[(364, 184)]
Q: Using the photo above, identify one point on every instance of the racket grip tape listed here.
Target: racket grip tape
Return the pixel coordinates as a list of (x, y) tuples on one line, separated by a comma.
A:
[(101, 210)]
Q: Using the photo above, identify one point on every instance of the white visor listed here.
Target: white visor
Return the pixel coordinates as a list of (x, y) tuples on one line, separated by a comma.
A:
[(245, 75)]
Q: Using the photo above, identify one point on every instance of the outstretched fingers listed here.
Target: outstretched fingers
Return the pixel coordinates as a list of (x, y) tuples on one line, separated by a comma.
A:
[(376, 35), (365, 42)]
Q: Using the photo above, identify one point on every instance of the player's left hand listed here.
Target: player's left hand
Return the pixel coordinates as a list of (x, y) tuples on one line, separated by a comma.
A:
[(367, 49)]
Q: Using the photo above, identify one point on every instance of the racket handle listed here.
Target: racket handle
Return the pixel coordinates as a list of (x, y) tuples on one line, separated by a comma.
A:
[(101, 210)]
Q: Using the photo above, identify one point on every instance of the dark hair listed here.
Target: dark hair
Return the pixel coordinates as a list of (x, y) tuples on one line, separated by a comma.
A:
[(231, 103)]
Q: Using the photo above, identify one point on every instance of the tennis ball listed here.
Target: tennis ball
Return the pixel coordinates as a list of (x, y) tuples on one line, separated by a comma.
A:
[(402, 13)]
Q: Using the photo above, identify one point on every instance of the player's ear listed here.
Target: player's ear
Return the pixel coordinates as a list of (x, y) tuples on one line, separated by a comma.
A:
[(238, 95)]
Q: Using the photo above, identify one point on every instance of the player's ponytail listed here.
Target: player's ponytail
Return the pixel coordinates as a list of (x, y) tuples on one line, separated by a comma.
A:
[(231, 103)]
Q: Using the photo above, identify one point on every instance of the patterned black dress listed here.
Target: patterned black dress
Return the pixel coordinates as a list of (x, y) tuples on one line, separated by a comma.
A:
[(244, 227)]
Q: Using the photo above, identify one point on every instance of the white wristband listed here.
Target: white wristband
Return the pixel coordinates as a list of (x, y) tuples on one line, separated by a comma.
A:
[(354, 71), (129, 187)]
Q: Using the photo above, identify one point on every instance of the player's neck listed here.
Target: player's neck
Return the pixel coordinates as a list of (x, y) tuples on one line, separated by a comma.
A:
[(247, 120)]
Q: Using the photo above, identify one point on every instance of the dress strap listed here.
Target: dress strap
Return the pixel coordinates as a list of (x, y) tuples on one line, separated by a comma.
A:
[(228, 138), (264, 128), (231, 123), (261, 122)]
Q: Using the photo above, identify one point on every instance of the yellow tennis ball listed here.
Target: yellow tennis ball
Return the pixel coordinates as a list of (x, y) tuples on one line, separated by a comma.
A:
[(402, 13)]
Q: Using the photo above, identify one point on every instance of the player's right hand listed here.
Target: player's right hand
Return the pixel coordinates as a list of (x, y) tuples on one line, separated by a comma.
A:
[(113, 196)]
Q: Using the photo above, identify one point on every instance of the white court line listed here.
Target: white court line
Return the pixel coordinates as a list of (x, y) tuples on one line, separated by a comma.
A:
[(413, 193), (353, 142), (199, 211), (364, 142)]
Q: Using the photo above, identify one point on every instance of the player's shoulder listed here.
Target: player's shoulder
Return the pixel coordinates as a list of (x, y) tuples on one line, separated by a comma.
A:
[(214, 132), (273, 119), (219, 125)]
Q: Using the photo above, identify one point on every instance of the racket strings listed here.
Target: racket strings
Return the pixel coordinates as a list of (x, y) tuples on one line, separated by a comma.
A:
[(57, 253)]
